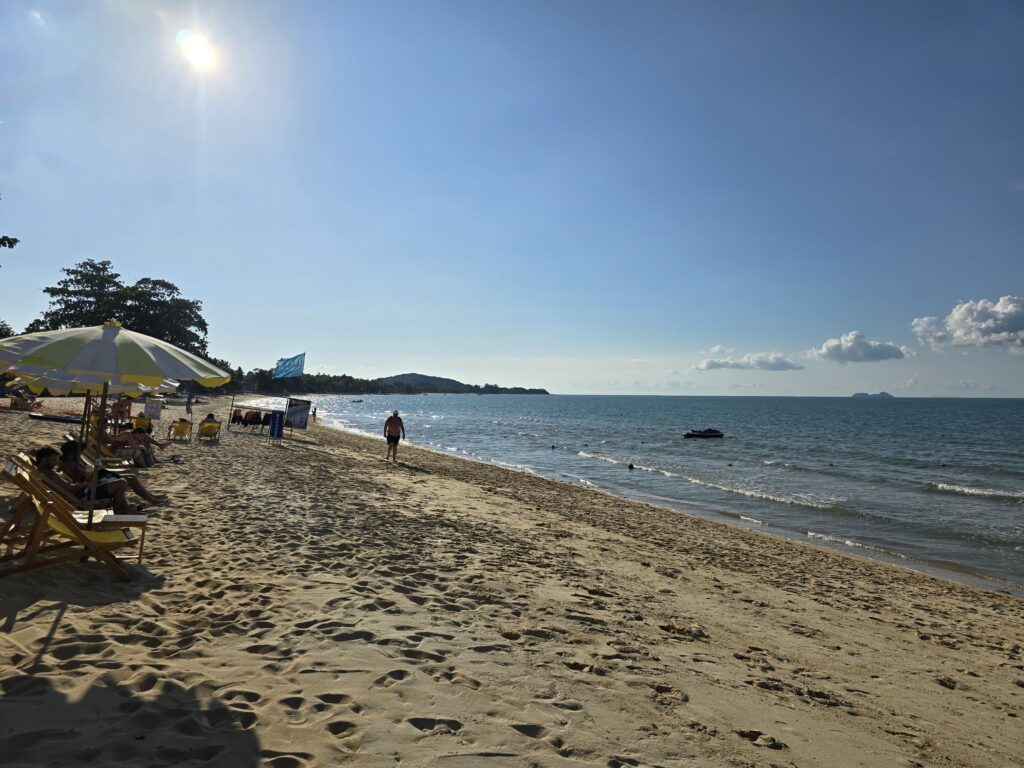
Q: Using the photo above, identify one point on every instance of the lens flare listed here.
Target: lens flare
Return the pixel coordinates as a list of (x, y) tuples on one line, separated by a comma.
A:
[(197, 50)]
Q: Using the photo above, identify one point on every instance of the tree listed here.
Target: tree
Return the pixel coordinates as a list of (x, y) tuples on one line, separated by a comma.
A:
[(157, 308), (5, 330), (92, 293)]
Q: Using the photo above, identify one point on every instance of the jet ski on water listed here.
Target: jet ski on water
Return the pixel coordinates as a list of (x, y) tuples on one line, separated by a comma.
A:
[(703, 433)]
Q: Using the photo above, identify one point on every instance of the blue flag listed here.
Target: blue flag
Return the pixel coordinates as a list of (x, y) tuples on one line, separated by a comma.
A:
[(288, 367)]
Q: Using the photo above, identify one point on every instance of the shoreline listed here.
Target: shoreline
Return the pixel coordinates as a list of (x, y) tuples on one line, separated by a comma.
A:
[(943, 570), (310, 603)]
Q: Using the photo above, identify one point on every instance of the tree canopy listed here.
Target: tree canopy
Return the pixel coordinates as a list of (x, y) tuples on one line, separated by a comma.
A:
[(5, 330), (92, 293)]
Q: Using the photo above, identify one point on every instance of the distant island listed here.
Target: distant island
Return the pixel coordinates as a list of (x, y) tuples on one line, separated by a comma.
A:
[(421, 384), (402, 384), (883, 395)]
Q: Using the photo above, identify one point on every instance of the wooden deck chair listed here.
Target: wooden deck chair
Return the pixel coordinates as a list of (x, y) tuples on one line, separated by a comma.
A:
[(56, 536), (15, 524), (24, 461), (102, 519), (180, 430), (209, 430), (101, 455)]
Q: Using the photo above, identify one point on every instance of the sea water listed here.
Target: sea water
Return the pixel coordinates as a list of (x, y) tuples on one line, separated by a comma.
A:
[(933, 484)]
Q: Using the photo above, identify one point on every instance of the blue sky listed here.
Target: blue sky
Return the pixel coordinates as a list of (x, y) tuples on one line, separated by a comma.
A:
[(663, 197)]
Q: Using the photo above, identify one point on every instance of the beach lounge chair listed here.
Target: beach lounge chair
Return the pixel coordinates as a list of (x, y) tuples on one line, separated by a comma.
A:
[(101, 455), (58, 533), (24, 461), (209, 430), (141, 421), (180, 430)]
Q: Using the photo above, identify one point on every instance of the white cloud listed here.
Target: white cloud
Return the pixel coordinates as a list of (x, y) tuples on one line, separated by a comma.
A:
[(37, 18), (721, 349), (981, 323), (759, 361), (914, 382), (854, 347)]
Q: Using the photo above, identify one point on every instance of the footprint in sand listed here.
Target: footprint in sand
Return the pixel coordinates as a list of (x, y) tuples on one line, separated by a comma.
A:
[(760, 739), (457, 678), (286, 759), (434, 726), (391, 678), (343, 729), (539, 732), (238, 693)]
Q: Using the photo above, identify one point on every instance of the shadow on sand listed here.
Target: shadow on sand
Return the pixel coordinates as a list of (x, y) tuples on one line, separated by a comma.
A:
[(111, 724)]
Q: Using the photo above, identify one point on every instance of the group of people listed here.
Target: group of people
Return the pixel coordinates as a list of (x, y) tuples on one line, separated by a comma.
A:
[(67, 473)]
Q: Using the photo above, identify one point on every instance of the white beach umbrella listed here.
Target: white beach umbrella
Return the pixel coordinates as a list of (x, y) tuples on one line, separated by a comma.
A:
[(108, 352), (61, 383)]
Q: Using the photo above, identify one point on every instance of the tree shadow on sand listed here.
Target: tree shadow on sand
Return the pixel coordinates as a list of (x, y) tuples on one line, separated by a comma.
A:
[(112, 724)]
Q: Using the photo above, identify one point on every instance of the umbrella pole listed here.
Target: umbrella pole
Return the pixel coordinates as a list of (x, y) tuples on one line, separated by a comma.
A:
[(96, 469), (83, 431)]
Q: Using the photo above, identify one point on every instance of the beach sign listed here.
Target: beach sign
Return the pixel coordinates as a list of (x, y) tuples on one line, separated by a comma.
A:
[(276, 426), (153, 409), (297, 413)]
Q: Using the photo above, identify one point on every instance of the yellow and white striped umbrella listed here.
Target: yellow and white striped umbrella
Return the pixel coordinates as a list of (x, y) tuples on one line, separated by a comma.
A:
[(57, 383), (107, 352)]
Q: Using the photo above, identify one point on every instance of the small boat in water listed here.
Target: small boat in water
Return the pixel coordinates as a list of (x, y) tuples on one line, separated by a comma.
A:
[(357, 401), (703, 433)]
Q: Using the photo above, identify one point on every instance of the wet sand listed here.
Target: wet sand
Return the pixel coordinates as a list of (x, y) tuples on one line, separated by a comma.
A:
[(309, 604)]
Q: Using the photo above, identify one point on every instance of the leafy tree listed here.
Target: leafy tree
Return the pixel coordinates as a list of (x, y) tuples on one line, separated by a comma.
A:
[(157, 308), (5, 330), (92, 293)]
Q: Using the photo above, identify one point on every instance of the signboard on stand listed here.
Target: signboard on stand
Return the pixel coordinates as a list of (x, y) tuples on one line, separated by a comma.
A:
[(276, 425), (153, 409), (298, 413)]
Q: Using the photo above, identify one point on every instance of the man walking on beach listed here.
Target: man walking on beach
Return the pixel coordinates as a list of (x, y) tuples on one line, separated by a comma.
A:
[(394, 430)]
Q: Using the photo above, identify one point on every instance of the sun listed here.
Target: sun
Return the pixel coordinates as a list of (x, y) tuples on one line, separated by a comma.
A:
[(197, 50)]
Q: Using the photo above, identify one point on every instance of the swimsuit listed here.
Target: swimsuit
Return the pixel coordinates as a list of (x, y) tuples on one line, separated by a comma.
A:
[(393, 439)]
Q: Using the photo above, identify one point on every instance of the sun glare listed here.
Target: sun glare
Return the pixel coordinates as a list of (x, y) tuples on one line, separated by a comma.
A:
[(197, 50)]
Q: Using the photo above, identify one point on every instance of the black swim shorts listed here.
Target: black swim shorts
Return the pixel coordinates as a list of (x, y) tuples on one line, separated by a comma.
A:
[(102, 492), (393, 439)]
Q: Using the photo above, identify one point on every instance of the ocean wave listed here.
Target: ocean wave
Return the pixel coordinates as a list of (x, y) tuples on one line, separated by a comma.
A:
[(753, 520), (640, 467), (991, 493), (598, 456), (770, 496), (515, 467), (851, 543)]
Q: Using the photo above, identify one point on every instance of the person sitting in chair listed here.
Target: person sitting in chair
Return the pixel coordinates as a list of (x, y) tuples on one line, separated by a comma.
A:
[(137, 446), (47, 459), (72, 465), (23, 400)]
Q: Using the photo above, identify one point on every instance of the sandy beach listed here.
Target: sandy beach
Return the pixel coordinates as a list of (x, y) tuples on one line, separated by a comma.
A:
[(308, 604)]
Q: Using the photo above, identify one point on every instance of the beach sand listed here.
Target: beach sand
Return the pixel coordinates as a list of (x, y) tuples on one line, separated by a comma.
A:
[(309, 604)]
